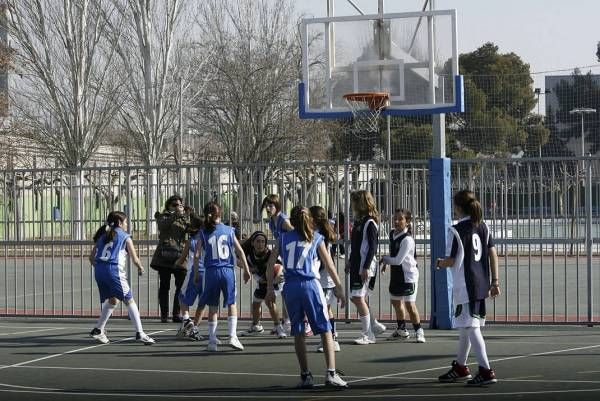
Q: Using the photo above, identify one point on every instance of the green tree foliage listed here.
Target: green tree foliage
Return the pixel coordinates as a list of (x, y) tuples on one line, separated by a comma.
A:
[(498, 101)]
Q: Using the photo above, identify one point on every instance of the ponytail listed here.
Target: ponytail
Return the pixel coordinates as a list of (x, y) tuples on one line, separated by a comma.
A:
[(114, 220), (301, 220), (212, 213), (469, 204), (321, 222)]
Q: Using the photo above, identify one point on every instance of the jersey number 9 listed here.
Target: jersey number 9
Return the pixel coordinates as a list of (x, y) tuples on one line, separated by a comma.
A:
[(476, 247)]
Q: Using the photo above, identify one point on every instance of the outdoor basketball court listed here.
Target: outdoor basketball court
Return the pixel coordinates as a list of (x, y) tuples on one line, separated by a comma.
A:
[(44, 359)]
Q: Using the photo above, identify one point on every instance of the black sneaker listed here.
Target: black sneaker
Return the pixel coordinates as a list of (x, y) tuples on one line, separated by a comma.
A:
[(306, 381), (457, 373), (485, 376)]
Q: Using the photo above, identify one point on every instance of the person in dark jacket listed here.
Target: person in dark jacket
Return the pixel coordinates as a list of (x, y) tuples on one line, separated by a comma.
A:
[(173, 223)]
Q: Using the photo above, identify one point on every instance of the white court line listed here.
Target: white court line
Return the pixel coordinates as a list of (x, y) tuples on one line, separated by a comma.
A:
[(306, 395), (29, 387), (71, 352), (31, 331), (491, 360)]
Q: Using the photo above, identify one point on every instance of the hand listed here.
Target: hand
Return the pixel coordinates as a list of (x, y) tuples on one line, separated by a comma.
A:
[(246, 276), (347, 268), (196, 278), (438, 263), (270, 297), (180, 262), (340, 295), (140, 270), (364, 275), (383, 265), (494, 291)]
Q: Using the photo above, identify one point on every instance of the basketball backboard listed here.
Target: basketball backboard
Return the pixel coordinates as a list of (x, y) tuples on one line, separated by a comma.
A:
[(412, 56)]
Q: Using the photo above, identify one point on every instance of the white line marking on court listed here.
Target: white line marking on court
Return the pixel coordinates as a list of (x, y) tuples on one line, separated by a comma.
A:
[(589, 371), (71, 352), (31, 331), (28, 327), (491, 360), (521, 378), (29, 387), (306, 395)]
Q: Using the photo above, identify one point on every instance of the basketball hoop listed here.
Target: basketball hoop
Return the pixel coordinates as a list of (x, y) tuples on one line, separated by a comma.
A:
[(366, 108)]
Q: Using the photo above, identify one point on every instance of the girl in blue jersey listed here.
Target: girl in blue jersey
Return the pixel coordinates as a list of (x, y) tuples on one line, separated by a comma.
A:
[(324, 227), (217, 244), (191, 291), (471, 255), (404, 276), (109, 258), (303, 294), (278, 223)]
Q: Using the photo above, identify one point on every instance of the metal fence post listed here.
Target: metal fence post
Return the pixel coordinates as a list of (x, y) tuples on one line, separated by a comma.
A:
[(589, 240)]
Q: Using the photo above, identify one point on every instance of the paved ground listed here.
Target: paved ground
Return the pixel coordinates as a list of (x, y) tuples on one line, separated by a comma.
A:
[(53, 359)]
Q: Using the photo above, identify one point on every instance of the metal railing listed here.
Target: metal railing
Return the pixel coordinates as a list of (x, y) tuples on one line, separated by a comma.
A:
[(543, 214)]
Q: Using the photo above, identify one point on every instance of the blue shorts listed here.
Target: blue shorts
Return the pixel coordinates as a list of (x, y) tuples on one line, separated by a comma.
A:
[(112, 283), (305, 298), (218, 280), (190, 291)]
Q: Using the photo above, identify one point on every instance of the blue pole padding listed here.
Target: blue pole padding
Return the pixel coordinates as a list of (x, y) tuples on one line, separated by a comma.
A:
[(440, 219)]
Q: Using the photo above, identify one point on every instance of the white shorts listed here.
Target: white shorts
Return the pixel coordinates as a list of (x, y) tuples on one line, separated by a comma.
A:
[(330, 297), (466, 320), (362, 292), (406, 298)]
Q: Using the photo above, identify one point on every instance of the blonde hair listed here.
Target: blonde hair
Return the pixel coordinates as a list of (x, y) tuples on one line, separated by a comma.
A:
[(363, 204)]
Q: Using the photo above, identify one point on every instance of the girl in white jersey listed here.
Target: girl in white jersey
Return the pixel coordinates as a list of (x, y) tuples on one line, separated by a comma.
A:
[(473, 259), (325, 228), (109, 257), (404, 278), (303, 294)]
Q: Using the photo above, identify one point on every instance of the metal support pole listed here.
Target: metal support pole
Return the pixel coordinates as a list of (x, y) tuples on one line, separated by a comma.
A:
[(589, 239)]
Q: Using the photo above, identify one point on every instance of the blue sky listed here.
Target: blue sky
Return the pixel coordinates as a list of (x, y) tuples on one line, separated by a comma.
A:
[(547, 34)]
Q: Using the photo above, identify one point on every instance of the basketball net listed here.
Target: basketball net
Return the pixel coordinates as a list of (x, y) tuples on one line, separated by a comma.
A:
[(366, 108)]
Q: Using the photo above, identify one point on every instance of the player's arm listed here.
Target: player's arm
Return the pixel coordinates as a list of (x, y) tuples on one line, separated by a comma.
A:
[(133, 255), (371, 238), (286, 225), (196, 265), (270, 273), (451, 251), (406, 247), (92, 257), (241, 259), (495, 284), (326, 259)]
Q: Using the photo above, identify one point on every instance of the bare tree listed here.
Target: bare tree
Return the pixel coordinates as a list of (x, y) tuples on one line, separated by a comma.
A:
[(249, 106), (148, 33), (66, 91)]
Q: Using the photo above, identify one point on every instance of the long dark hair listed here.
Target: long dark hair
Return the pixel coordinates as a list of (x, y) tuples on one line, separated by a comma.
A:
[(212, 212), (467, 201), (321, 221), (407, 214), (114, 220), (196, 223), (301, 220)]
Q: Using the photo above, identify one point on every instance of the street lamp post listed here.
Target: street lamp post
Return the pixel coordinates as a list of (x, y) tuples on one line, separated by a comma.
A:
[(582, 111)]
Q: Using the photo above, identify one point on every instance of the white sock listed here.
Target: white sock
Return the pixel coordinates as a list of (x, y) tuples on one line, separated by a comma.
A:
[(107, 310), (134, 315), (186, 315), (365, 322), (464, 346), (479, 346), (373, 321), (232, 326), (212, 331)]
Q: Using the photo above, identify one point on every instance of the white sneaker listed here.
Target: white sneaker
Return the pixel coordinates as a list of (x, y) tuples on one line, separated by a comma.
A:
[(235, 343), (211, 347), (366, 339), (280, 332), (378, 328), (320, 347), (334, 380), (420, 336), (99, 336), (307, 330), (185, 329), (398, 334), (254, 330), (287, 327), (336, 346), (306, 381), (144, 338)]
